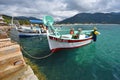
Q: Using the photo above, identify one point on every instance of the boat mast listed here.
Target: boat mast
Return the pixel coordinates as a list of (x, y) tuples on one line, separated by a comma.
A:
[(12, 21)]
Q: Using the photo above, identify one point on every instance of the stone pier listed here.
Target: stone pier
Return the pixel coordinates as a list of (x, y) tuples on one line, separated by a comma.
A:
[(12, 64)]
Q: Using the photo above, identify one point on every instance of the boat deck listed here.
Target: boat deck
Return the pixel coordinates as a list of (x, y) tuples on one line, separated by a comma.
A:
[(69, 37)]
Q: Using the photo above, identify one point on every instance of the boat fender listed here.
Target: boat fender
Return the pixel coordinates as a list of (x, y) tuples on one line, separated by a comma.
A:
[(96, 32)]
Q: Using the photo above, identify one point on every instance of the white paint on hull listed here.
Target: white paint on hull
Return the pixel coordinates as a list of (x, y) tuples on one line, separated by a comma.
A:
[(30, 34), (53, 44)]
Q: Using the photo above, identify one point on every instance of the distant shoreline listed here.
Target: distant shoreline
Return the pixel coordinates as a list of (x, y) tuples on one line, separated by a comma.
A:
[(82, 24)]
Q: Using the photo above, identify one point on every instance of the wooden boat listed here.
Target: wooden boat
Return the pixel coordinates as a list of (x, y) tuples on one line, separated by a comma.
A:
[(29, 31), (66, 41)]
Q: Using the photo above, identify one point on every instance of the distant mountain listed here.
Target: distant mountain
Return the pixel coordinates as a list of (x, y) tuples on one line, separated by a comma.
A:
[(111, 18), (21, 19), (25, 18)]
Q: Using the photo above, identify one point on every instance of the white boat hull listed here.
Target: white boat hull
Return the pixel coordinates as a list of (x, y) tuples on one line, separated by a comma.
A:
[(56, 44), (22, 34)]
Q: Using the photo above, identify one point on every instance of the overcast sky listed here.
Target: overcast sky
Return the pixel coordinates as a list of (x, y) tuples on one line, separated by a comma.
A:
[(59, 9)]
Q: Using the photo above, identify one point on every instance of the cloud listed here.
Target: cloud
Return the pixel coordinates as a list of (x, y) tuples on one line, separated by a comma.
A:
[(59, 9), (93, 5)]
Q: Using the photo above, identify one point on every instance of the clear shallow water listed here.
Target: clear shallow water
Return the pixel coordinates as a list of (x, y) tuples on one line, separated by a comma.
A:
[(97, 61)]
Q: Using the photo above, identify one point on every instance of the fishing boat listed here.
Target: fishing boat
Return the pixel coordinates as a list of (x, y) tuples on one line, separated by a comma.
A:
[(30, 31), (65, 41)]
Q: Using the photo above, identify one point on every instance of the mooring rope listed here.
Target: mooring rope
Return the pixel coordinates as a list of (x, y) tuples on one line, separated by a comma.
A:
[(43, 57)]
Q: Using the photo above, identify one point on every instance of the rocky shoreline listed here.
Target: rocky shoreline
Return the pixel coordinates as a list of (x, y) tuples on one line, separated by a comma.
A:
[(12, 64), (4, 31)]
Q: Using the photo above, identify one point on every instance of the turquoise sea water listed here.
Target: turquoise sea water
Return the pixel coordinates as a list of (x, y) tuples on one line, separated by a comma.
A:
[(97, 61)]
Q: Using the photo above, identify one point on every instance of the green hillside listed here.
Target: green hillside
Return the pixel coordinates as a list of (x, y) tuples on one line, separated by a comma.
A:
[(22, 20)]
